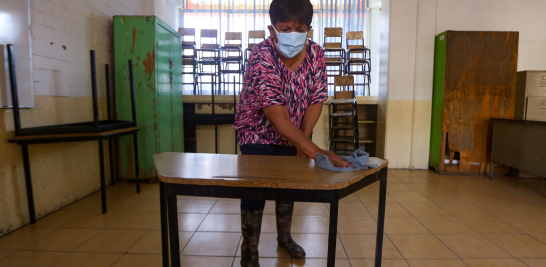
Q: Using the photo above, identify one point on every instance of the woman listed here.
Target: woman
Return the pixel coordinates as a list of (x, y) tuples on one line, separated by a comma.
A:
[(280, 103)]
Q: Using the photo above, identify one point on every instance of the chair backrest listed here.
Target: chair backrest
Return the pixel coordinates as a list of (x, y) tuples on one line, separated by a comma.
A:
[(233, 39), (346, 84), (310, 34), (335, 37), (209, 39), (255, 37), (187, 33), (355, 40)]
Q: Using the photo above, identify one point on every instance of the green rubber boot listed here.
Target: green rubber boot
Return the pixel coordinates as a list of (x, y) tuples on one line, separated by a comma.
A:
[(251, 225), (284, 210)]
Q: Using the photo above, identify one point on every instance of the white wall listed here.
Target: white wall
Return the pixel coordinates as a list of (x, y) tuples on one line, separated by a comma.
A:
[(166, 10), (413, 26)]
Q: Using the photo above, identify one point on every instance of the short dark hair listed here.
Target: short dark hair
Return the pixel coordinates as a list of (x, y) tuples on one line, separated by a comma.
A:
[(287, 10)]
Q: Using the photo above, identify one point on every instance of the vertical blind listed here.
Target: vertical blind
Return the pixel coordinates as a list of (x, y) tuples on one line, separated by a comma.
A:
[(245, 15)]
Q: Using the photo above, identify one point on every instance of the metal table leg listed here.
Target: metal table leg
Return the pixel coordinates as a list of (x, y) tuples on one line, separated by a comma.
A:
[(28, 180), (173, 226), (380, 221), (102, 177), (137, 174), (164, 224), (332, 233)]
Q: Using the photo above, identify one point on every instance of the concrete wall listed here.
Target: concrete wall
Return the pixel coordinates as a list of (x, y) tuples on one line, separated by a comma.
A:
[(62, 33), (413, 25)]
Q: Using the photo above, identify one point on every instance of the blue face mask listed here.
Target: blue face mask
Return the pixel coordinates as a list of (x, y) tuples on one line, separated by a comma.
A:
[(290, 44)]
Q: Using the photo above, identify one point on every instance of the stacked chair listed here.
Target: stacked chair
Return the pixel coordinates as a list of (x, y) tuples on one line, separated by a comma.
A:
[(357, 61), (231, 62), (189, 57), (254, 38), (342, 117), (208, 60), (334, 52)]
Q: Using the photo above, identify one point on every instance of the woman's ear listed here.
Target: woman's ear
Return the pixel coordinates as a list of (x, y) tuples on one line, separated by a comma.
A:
[(272, 33)]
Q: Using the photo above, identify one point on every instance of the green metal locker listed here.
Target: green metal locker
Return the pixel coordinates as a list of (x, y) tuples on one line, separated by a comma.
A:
[(155, 50)]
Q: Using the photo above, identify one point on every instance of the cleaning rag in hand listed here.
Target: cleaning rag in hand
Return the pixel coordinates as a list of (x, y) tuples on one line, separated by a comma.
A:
[(359, 159)]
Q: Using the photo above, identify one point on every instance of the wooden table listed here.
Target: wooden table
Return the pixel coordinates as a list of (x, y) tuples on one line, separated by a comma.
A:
[(258, 178)]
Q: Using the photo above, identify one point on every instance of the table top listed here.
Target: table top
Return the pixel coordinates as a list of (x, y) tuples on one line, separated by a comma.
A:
[(288, 172), (57, 138)]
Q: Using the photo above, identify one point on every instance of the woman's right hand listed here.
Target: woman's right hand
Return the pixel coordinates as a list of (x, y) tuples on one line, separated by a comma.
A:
[(335, 159)]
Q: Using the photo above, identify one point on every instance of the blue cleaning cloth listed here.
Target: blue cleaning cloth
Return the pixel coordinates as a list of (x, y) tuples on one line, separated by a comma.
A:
[(359, 159)]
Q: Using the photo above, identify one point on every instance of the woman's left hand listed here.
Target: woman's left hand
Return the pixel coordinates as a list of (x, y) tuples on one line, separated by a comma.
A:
[(301, 154)]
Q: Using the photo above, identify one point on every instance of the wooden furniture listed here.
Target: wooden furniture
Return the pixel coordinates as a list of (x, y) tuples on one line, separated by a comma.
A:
[(357, 60), (310, 34), (189, 57), (155, 50), (209, 39), (254, 38), (259, 178), (334, 51), (342, 117), (231, 63), (474, 80), (520, 144), (95, 130)]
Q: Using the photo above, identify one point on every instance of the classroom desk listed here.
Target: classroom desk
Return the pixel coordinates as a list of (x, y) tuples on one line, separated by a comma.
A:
[(258, 178)]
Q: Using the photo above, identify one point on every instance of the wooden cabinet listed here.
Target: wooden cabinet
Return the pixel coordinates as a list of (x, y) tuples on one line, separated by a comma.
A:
[(155, 50), (474, 80)]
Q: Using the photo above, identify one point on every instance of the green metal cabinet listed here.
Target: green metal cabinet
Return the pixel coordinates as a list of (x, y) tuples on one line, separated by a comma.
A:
[(155, 50)]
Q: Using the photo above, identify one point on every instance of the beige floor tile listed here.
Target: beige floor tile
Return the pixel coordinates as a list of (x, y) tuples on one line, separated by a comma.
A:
[(200, 261), (221, 223), (461, 209), (123, 205), (88, 260), (59, 218), (488, 225), (189, 222), (404, 225), (32, 259), (404, 173), (384, 263), (391, 210), (442, 196), (437, 263), (227, 207), (316, 245), (150, 205), (310, 209), (203, 198), (527, 224), (63, 239), (399, 188), (318, 263), (427, 187), (412, 180), (421, 247), (408, 197), (494, 263), (356, 225), (445, 225), (136, 221), (151, 243), (24, 236), (86, 204), (352, 210), (195, 206), (269, 207), (519, 245), (112, 241), (363, 247), (267, 262), (138, 260), (503, 209), (95, 220), (269, 224), (474, 196), (268, 247), (212, 244), (534, 262), (424, 209), (6, 252), (473, 247), (393, 180), (310, 224), (541, 237), (352, 198), (372, 197)]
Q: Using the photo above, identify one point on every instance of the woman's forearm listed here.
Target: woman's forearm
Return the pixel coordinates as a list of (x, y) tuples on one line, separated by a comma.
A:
[(310, 118), (278, 117)]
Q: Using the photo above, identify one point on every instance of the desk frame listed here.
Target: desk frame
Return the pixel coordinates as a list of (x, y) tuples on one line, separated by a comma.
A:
[(169, 211)]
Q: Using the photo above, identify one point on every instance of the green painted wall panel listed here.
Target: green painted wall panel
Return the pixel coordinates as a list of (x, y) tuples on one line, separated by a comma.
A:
[(155, 50), (440, 50)]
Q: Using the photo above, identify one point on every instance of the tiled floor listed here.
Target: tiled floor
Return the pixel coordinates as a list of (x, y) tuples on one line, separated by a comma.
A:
[(432, 220)]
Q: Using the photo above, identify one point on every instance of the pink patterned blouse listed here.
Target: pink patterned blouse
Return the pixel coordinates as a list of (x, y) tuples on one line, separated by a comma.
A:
[(269, 82)]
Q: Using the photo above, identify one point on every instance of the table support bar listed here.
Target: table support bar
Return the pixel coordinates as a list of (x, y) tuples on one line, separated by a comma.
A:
[(172, 212), (332, 233), (28, 181), (164, 223), (380, 221), (102, 177)]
